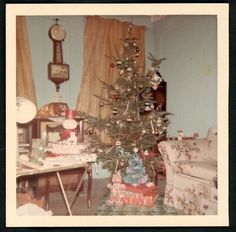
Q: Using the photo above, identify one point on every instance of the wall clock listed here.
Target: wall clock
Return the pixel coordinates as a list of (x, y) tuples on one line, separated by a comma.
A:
[(58, 72)]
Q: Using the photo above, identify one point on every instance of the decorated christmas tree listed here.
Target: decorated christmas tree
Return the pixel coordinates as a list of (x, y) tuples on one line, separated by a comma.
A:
[(135, 123)]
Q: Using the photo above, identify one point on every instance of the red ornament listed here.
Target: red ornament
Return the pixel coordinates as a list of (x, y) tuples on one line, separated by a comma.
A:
[(153, 154), (112, 65), (116, 97)]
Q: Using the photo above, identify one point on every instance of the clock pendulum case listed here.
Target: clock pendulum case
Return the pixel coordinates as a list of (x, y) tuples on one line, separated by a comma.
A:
[(58, 72)]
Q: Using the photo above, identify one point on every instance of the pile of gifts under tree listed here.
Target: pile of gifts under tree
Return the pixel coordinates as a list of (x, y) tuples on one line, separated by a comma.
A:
[(133, 189)]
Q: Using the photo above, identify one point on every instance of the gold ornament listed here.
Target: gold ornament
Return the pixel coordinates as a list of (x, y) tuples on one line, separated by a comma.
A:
[(144, 131), (140, 86), (129, 69), (129, 119), (115, 111), (91, 131), (121, 71)]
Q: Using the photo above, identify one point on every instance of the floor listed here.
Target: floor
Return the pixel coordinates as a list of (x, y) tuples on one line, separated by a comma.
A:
[(58, 207)]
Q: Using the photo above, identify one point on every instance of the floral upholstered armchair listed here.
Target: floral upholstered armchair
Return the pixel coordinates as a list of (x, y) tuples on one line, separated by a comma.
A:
[(191, 174)]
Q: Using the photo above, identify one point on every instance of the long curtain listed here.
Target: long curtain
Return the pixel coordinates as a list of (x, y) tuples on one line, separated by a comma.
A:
[(103, 39), (24, 79)]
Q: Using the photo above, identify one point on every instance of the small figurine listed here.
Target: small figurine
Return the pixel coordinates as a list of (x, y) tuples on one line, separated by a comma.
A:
[(180, 134), (116, 188)]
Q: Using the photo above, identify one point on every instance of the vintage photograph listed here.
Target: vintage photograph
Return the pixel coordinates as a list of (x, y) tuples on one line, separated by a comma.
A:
[(119, 115)]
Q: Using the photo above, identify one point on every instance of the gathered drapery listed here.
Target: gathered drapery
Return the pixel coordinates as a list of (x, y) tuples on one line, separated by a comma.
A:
[(102, 40), (24, 78)]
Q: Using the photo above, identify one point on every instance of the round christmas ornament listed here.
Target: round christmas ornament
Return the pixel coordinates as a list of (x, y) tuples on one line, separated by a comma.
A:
[(117, 97), (129, 69), (129, 119), (115, 111), (146, 153), (90, 131), (144, 131), (140, 86), (118, 63), (116, 86), (112, 65), (121, 71), (117, 122), (118, 143), (137, 49)]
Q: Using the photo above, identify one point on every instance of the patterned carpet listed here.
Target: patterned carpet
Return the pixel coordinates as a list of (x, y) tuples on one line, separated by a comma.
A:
[(158, 209)]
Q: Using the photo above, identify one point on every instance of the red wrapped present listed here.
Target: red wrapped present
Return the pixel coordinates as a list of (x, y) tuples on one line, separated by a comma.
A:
[(142, 189), (143, 201)]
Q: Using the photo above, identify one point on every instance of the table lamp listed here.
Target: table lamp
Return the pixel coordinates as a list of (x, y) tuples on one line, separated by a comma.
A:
[(25, 110)]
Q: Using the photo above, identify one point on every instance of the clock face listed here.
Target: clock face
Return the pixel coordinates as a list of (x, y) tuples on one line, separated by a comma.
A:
[(57, 32)]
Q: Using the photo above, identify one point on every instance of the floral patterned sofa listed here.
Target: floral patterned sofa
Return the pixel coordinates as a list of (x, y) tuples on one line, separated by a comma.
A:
[(191, 174)]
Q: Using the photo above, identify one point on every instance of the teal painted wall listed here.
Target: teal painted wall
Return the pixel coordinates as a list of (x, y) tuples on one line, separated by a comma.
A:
[(190, 45)]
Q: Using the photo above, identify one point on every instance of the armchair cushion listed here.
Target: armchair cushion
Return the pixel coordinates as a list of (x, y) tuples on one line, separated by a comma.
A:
[(202, 170)]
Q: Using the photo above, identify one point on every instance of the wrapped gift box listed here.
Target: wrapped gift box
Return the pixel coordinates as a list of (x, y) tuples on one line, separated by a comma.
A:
[(142, 189), (141, 195), (139, 200)]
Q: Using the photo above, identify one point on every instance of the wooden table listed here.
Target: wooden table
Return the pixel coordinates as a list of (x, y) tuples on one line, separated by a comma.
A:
[(24, 173)]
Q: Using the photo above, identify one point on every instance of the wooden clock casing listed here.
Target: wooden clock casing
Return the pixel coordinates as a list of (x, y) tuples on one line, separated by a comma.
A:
[(58, 72)]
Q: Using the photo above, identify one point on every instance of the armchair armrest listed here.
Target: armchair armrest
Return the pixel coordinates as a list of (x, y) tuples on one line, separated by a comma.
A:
[(184, 150)]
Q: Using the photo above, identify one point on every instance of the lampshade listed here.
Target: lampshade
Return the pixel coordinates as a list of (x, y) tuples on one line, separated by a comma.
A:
[(25, 110)]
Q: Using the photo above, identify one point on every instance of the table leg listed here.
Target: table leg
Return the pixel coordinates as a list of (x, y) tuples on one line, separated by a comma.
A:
[(78, 187), (64, 194), (89, 186), (47, 188)]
